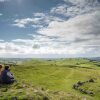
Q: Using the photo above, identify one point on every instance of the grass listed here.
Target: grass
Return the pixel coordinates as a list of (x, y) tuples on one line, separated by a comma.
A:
[(53, 80)]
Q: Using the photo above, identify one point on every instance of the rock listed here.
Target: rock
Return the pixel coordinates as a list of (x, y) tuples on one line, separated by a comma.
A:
[(75, 86), (80, 83), (91, 80), (83, 91), (42, 89), (30, 99), (14, 98), (45, 98), (90, 93)]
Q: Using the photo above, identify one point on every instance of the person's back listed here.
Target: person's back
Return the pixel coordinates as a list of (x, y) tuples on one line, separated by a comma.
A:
[(6, 76)]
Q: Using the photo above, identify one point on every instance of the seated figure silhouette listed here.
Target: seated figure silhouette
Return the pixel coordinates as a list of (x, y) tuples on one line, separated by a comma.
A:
[(6, 76)]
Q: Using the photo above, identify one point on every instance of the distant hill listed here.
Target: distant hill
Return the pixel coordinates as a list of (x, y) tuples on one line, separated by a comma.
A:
[(39, 79), (12, 60), (95, 58)]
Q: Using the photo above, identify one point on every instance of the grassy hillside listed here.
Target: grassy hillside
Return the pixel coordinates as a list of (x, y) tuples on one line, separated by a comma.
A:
[(53, 80)]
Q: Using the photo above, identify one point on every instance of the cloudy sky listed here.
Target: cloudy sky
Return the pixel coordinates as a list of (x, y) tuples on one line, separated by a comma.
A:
[(49, 28)]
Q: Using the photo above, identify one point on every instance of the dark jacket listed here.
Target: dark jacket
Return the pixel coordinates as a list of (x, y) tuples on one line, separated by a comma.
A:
[(6, 78)]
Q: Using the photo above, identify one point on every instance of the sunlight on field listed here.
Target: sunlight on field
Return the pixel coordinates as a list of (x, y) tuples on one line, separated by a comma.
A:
[(54, 79)]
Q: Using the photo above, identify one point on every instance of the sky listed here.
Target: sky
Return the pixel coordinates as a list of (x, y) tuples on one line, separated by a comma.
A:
[(49, 28)]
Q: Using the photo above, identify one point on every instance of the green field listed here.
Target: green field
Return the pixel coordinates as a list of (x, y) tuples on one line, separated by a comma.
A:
[(53, 80)]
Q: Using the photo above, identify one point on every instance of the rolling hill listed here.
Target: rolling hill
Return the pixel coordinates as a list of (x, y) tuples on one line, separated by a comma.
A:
[(53, 80)]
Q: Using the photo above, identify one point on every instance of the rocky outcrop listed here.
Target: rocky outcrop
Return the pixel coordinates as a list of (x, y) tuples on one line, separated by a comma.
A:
[(78, 85)]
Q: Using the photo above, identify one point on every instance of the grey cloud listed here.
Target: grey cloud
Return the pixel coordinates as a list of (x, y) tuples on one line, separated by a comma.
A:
[(81, 40), (36, 46), (76, 7), (1, 48)]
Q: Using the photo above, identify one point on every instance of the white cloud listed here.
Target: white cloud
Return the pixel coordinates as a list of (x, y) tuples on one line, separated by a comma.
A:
[(77, 35), (27, 42), (23, 22), (39, 14), (41, 45), (82, 25), (78, 7), (14, 49), (1, 40), (3, 0), (1, 14), (37, 21), (83, 2), (62, 9), (22, 40), (37, 26)]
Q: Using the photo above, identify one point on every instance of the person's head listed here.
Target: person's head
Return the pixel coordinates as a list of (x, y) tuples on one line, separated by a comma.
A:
[(6, 67)]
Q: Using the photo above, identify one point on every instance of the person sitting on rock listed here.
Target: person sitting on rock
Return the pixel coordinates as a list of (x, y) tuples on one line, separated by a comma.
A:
[(6, 76)]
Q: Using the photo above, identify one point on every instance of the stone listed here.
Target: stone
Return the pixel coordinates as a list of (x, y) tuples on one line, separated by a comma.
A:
[(45, 98), (14, 98), (75, 86), (83, 91), (91, 80), (90, 93), (80, 83)]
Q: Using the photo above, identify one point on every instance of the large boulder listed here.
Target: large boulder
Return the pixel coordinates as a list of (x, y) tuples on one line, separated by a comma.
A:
[(75, 86), (91, 80)]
